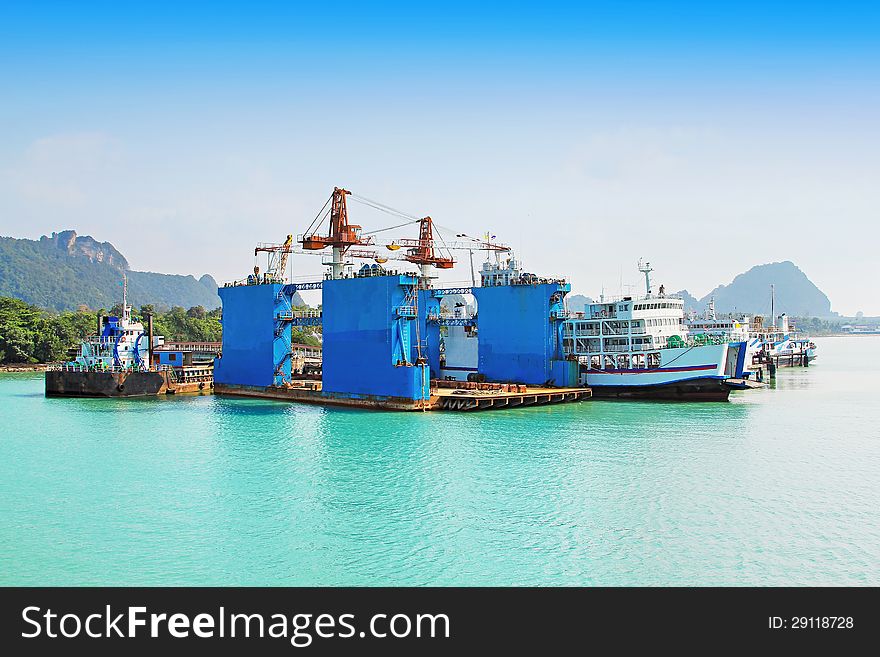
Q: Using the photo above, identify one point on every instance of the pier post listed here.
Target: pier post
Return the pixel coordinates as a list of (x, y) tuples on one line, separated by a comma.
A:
[(150, 343)]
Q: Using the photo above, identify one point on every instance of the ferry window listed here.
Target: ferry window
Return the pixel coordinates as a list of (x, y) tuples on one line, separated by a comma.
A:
[(172, 356), (653, 360), (623, 362)]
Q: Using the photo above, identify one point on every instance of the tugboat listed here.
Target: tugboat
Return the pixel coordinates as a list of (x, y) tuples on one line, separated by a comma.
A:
[(640, 348), (118, 361)]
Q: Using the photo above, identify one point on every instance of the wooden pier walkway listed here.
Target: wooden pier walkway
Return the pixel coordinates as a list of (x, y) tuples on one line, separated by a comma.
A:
[(478, 400)]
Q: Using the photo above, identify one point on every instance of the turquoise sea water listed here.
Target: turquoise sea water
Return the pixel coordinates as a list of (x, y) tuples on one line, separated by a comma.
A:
[(779, 486)]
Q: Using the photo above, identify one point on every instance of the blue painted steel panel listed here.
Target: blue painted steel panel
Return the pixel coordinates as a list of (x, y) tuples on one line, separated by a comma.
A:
[(368, 334), (565, 373), (740, 359), (250, 348), (429, 328), (172, 358), (518, 340)]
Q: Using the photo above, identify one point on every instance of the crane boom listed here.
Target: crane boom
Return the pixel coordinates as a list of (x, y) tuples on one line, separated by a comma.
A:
[(277, 258)]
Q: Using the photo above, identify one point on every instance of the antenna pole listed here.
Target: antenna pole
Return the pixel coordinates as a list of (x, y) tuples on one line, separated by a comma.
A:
[(124, 296), (645, 268), (773, 305)]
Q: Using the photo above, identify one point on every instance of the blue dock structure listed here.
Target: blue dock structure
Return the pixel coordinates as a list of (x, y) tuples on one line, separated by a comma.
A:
[(519, 324), (384, 335), (255, 342), (372, 347), (520, 334)]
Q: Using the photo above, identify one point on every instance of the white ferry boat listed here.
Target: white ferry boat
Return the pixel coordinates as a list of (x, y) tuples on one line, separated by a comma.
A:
[(639, 347)]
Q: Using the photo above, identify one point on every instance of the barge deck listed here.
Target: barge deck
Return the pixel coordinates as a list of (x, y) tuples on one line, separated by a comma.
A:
[(491, 396)]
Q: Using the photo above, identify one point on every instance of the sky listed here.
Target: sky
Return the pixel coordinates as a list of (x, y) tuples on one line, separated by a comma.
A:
[(704, 137)]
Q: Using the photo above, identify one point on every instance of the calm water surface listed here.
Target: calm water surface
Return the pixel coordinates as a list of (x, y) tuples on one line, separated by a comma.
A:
[(779, 486)]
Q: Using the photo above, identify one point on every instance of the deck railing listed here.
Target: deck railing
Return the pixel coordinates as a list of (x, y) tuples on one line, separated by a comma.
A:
[(70, 367)]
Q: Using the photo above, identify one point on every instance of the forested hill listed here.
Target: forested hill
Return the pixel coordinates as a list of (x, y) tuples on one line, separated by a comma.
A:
[(65, 270)]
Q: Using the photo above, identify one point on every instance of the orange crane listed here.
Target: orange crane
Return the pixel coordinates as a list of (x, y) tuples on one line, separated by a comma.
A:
[(344, 238), (341, 236), (421, 251)]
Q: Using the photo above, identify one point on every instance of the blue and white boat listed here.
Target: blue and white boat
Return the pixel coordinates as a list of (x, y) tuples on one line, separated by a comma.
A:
[(780, 342)]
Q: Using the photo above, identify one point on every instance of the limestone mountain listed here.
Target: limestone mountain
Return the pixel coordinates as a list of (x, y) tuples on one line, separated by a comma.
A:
[(749, 293), (66, 270)]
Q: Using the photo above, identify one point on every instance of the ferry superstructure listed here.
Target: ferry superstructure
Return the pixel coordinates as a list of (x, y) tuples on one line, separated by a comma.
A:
[(735, 329), (639, 347)]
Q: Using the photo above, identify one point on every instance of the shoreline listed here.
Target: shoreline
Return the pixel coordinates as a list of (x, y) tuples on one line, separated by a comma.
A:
[(24, 367)]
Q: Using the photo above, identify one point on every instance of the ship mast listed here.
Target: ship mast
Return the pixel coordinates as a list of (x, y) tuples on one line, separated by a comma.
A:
[(645, 268), (124, 297), (773, 306)]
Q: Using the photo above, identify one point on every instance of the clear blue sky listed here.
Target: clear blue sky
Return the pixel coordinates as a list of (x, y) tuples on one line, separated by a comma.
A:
[(707, 137)]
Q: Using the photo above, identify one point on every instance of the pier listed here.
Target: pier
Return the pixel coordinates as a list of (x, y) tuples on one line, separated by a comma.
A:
[(488, 397), (480, 400)]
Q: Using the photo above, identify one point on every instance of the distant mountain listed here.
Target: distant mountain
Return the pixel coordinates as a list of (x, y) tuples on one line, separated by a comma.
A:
[(209, 283), (66, 270), (690, 301), (576, 303), (297, 301), (749, 292)]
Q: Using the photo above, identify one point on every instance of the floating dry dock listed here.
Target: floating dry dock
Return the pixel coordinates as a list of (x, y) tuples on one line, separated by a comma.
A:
[(383, 330), (382, 345)]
